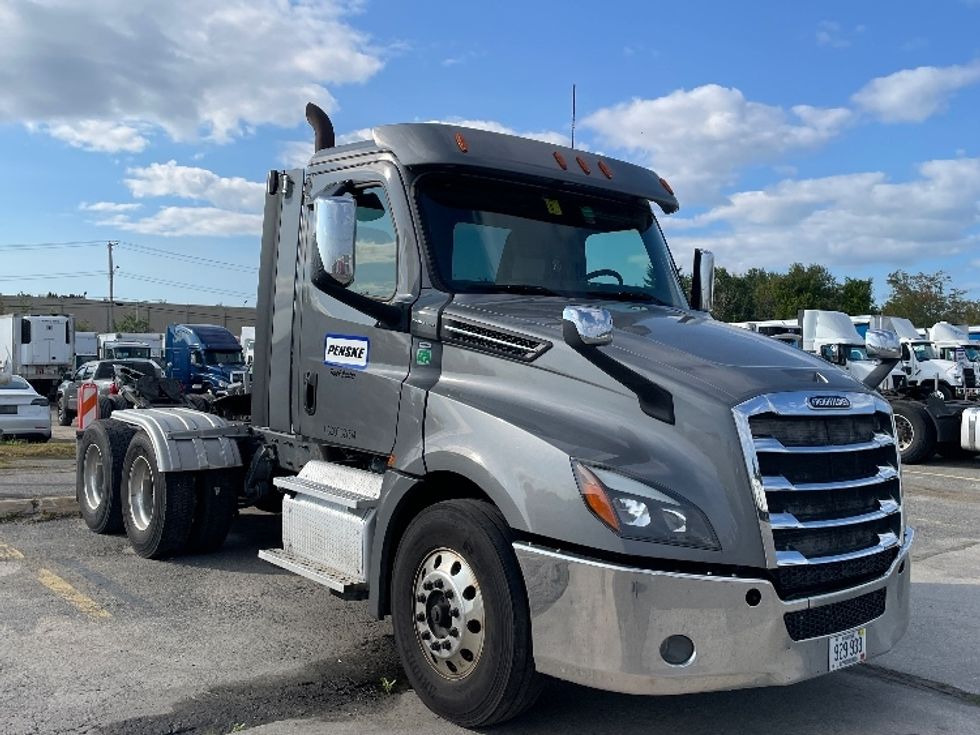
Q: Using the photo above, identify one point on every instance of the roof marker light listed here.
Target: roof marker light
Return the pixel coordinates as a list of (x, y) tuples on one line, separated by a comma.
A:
[(664, 184), (583, 165), (605, 169), (561, 161), (461, 143)]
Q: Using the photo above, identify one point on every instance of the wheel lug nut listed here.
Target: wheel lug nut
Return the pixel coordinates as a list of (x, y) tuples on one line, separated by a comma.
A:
[(435, 646), (426, 635), (449, 594), (438, 584), (446, 645), (421, 598), (427, 586), (454, 632), (420, 617), (455, 612)]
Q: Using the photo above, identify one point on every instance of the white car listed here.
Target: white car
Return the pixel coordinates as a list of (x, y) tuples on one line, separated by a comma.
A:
[(24, 413)]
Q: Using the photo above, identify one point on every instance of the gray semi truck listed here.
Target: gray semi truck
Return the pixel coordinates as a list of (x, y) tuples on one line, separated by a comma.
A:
[(483, 403)]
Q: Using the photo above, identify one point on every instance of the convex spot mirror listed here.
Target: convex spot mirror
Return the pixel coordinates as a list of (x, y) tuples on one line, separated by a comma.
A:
[(882, 344), (335, 229)]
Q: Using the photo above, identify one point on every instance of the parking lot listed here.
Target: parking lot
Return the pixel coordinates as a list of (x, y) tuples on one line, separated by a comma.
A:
[(94, 639)]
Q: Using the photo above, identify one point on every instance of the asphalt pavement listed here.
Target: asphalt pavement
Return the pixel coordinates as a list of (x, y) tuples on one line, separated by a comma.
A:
[(94, 639)]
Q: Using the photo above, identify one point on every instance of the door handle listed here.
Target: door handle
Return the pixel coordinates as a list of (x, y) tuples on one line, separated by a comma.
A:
[(309, 400)]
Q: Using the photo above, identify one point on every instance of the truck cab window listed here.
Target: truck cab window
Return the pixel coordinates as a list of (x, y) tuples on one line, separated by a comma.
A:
[(375, 252)]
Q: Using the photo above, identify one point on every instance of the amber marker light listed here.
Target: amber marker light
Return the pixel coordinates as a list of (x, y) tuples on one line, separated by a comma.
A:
[(461, 143), (664, 184), (605, 169), (595, 496), (583, 165), (561, 161)]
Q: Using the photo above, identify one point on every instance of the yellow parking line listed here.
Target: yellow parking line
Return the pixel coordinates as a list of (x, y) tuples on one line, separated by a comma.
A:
[(940, 474), (64, 590), (9, 553)]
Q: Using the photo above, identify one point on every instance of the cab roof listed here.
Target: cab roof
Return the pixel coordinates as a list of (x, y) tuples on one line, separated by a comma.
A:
[(417, 145)]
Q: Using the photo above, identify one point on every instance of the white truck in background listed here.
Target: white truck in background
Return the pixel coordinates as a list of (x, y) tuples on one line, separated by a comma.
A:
[(39, 348), (247, 340), (925, 371), (832, 336), (130, 345), (86, 348), (952, 342), (783, 330)]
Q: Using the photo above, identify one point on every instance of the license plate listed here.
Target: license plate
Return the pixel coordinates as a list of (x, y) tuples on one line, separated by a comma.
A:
[(8, 409), (847, 649)]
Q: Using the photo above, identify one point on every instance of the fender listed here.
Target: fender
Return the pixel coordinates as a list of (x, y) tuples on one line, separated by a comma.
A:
[(185, 440)]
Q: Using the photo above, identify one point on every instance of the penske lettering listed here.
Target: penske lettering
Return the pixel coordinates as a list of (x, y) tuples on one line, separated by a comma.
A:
[(346, 351)]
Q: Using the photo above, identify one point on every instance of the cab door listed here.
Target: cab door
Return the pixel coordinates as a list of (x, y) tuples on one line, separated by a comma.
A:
[(349, 368)]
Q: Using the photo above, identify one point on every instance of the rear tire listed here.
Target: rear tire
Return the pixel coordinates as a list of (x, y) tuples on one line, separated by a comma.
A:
[(199, 403), (157, 507), (106, 407), (916, 432), (487, 674), (217, 503), (65, 415), (101, 452)]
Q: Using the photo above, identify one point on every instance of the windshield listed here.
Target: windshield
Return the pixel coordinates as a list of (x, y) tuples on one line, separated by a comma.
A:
[(856, 352), (495, 236), (969, 353), (924, 351), (125, 353), (223, 357), (106, 370)]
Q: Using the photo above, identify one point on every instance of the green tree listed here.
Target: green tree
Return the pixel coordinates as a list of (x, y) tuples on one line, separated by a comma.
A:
[(926, 298), (804, 287), (131, 323), (856, 296)]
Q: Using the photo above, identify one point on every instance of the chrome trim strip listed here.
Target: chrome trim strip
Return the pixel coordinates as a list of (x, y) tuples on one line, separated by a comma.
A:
[(773, 445), (778, 483), (794, 404), (886, 541), (787, 521), (528, 351)]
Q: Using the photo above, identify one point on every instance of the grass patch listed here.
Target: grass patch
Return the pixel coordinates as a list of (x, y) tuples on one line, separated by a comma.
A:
[(25, 450)]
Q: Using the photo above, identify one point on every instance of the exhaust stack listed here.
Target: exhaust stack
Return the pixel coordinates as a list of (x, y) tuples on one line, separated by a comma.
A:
[(323, 135)]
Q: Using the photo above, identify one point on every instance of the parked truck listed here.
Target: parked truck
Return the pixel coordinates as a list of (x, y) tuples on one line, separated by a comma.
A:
[(487, 407), (953, 343), (39, 348), (86, 348), (204, 358), (926, 422), (247, 340), (924, 369), (128, 345)]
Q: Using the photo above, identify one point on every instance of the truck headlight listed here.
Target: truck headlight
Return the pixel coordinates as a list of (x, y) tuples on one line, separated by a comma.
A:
[(638, 511)]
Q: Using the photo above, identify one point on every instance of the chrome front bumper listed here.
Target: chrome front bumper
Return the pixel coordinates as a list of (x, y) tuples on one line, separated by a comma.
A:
[(601, 625)]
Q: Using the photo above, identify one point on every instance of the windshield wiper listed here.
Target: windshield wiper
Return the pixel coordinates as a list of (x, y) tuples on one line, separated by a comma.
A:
[(628, 296), (519, 288)]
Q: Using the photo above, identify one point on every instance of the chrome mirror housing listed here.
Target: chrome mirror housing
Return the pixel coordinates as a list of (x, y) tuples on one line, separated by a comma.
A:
[(882, 344), (336, 225), (703, 281), (593, 324)]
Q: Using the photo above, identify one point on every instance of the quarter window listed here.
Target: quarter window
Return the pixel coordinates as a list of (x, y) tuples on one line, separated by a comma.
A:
[(375, 249)]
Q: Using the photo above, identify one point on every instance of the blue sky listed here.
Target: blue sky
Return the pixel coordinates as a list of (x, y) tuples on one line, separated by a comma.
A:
[(846, 134)]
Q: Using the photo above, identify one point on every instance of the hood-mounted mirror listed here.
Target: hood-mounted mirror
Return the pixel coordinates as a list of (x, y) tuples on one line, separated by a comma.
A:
[(589, 325)]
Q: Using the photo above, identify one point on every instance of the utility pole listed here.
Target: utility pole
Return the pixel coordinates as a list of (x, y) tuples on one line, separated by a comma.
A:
[(112, 321), (573, 116)]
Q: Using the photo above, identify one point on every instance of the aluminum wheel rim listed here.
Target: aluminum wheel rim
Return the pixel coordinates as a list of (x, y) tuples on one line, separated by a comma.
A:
[(94, 477), (141, 493), (448, 613), (905, 432)]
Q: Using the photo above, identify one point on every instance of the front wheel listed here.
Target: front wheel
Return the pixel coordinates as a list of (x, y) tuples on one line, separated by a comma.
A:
[(65, 414), (460, 615), (916, 432)]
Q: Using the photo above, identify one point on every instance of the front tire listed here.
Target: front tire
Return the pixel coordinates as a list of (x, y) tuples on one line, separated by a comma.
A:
[(916, 432), (460, 615), (65, 415), (157, 507), (101, 452)]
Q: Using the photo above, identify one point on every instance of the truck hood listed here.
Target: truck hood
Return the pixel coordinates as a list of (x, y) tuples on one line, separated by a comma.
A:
[(673, 347)]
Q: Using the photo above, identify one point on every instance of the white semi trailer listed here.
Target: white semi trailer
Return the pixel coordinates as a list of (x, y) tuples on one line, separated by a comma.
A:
[(39, 348)]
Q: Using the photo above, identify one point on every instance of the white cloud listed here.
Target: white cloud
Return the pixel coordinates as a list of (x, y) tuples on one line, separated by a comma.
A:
[(829, 34), (838, 220), (101, 136), (109, 207), (913, 95), (81, 70), (196, 221), (199, 184), (700, 138)]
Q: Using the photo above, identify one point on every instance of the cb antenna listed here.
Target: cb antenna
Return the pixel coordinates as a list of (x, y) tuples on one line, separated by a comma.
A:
[(573, 116)]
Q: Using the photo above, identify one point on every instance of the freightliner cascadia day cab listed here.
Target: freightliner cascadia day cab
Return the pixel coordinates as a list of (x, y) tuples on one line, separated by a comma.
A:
[(488, 408)]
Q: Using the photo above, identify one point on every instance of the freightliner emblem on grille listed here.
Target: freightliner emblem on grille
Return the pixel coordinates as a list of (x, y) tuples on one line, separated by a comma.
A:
[(828, 402)]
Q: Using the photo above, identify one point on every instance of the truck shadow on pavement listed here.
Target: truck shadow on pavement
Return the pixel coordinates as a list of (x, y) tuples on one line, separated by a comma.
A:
[(250, 532)]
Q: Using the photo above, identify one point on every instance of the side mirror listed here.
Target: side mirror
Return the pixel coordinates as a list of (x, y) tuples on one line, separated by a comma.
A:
[(335, 228), (591, 324), (836, 354), (882, 344), (703, 280)]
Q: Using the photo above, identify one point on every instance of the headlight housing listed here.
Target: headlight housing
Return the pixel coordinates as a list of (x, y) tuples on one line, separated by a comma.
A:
[(635, 510)]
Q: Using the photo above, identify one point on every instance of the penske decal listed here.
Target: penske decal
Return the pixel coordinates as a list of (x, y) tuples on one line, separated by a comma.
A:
[(346, 351)]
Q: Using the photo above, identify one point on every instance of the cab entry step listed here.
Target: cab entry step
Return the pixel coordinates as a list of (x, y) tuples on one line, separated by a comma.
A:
[(341, 583)]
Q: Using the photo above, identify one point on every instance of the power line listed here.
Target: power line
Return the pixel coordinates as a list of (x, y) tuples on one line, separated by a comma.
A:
[(187, 258), (180, 284), (35, 276), (50, 245)]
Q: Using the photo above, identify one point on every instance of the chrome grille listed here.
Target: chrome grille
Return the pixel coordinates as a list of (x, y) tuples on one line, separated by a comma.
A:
[(827, 486)]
